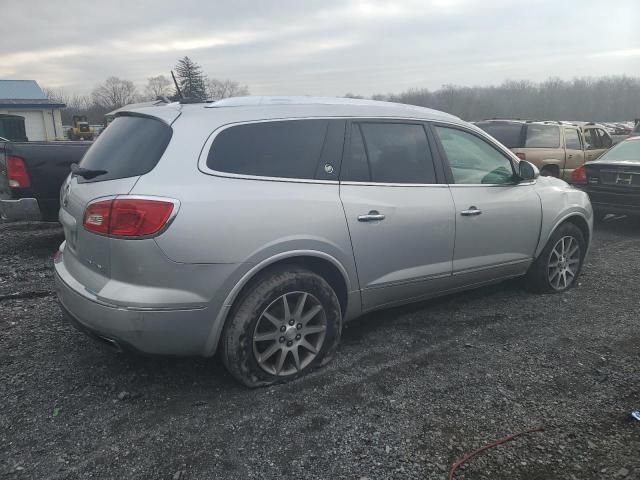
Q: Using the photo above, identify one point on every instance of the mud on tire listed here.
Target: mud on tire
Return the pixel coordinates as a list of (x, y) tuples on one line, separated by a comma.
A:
[(237, 342)]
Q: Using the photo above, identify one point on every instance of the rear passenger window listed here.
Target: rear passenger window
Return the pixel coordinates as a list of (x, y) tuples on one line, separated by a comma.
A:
[(286, 149), (389, 153), (572, 139), (542, 136)]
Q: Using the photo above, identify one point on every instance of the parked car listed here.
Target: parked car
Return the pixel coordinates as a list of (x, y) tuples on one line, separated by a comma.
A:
[(556, 148), (613, 181), (31, 174), (258, 226)]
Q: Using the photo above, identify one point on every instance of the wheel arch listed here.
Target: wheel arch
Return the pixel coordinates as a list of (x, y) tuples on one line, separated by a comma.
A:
[(318, 262), (575, 218)]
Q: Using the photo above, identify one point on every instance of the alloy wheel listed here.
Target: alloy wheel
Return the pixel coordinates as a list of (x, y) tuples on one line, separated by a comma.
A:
[(289, 333), (564, 263)]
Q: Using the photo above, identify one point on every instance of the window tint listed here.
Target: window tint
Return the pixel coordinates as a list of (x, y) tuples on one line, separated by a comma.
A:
[(572, 139), (542, 136), (389, 153), (129, 146), (286, 149), (508, 134), (355, 168), (472, 160)]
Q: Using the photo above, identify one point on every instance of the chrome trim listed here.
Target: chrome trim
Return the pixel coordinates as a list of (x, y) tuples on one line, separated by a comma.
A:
[(458, 185), (383, 184), (471, 212), (371, 217), (204, 152)]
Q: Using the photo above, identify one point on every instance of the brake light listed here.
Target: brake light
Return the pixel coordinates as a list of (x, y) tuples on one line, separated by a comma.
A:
[(521, 156), (579, 176), (17, 173), (127, 217)]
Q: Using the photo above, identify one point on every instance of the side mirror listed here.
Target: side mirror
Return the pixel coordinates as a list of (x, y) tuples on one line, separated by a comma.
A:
[(527, 171)]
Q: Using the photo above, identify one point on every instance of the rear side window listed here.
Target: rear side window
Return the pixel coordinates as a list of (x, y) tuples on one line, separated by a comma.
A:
[(129, 147), (572, 139), (542, 136), (389, 153), (285, 149), (508, 134)]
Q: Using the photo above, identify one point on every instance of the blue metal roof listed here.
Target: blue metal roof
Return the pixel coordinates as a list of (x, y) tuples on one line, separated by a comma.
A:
[(20, 89)]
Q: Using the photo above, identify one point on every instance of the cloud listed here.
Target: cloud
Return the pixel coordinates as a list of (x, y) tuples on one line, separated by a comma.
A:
[(326, 47)]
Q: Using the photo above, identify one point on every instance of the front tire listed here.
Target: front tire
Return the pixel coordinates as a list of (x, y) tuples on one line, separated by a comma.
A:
[(287, 323), (558, 266)]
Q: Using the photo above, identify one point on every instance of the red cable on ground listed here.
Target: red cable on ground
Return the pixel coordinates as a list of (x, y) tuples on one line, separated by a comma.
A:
[(474, 453)]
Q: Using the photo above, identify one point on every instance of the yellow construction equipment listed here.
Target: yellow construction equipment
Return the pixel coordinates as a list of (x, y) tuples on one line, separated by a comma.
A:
[(81, 129)]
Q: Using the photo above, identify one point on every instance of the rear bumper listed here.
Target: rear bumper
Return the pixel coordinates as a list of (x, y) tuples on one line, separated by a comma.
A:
[(606, 201), (147, 330), (21, 209)]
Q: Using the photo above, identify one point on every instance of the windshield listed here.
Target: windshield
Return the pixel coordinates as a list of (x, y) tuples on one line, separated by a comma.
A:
[(626, 151)]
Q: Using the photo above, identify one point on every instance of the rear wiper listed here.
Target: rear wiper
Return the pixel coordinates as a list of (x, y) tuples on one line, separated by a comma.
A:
[(86, 172)]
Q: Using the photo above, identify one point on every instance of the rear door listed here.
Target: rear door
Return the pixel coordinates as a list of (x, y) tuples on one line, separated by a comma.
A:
[(574, 151), (131, 146), (400, 218), (497, 219)]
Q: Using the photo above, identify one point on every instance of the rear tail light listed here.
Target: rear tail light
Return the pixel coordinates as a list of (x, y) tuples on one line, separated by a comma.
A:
[(128, 217), (521, 156), (17, 173), (579, 176)]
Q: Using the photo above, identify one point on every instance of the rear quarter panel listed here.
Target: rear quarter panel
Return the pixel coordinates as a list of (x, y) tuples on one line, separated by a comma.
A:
[(241, 221)]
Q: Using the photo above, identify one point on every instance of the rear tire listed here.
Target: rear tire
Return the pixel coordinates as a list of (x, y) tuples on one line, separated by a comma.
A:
[(266, 342), (558, 266)]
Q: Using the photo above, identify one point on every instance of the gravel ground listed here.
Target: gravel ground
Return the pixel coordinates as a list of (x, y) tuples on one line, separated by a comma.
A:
[(412, 389)]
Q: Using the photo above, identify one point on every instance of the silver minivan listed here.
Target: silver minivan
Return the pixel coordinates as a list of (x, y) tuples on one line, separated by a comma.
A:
[(255, 227)]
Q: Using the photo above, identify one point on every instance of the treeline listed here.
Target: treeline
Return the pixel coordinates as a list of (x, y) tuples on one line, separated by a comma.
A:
[(615, 98), (115, 92)]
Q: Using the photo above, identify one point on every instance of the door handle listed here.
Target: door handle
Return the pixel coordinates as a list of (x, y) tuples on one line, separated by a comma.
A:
[(569, 156), (372, 216), (470, 212)]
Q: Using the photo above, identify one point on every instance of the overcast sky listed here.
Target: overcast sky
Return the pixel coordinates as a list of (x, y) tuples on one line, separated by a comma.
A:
[(320, 47)]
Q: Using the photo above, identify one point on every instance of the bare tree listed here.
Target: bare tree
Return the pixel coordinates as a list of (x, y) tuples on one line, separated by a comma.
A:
[(219, 89), (115, 93), (158, 86)]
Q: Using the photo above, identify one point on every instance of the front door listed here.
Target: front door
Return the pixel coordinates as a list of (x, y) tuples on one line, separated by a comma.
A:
[(574, 151), (401, 221), (497, 219)]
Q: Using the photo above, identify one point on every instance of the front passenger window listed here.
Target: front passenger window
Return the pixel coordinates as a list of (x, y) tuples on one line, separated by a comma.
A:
[(472, 160)]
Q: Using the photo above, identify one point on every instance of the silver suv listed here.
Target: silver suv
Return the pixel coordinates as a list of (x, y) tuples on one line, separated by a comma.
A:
[(257, 226)]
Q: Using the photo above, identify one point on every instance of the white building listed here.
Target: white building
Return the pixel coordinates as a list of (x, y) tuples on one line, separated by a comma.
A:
[(25, 98)]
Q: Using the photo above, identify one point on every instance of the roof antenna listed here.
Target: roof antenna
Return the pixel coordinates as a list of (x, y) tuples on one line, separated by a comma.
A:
[(176, 84)]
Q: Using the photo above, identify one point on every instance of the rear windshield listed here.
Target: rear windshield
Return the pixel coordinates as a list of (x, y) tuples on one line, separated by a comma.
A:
[(508, 134), (128, 147), (542, 136), (627, 151)]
